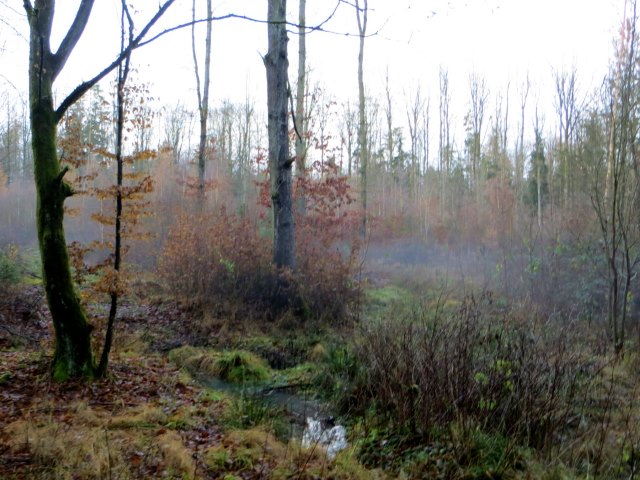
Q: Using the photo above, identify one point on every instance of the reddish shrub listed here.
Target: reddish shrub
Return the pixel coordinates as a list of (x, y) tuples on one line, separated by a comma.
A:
[(223, 261)]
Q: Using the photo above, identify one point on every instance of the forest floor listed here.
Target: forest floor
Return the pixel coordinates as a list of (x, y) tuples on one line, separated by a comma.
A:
[(147, 419), (151, 419)]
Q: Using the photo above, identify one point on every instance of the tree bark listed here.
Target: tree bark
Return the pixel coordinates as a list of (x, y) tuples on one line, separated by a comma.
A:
[(280, 165), (73, 356)]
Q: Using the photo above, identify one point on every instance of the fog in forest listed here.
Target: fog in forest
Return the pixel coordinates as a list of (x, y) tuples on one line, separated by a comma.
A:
[(430, 273)]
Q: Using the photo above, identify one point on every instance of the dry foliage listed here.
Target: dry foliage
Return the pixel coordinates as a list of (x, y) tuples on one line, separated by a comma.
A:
[(223, 260)]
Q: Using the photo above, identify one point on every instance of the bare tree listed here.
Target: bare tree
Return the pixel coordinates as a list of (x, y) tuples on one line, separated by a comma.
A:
[(474, 123), (415, 112), (300, 120), (362, 16), (520, 155), (390, 139), (280, 164), (347, 134), (245, 146), (616, 192), (567, 109), (444, 138), (202, 89), (175, 126)]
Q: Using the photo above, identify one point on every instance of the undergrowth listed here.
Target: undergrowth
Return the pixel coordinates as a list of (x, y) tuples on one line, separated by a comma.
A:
[(481, 391), (224, 264)]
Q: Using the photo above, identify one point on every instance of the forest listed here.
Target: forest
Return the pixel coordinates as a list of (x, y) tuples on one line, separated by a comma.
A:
[(298, 286)]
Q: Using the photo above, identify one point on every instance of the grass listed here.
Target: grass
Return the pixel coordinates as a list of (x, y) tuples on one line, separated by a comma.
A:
[(379, 300), (233, 366)]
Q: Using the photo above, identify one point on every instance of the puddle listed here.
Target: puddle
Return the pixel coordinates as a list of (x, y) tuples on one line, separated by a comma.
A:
[(312, 420)]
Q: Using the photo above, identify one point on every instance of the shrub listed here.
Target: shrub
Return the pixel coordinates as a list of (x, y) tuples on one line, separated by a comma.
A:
[(222, 262), (474, 371), (218, 261)]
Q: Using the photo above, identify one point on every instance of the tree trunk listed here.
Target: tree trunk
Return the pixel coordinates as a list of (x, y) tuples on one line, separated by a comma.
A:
[(203, 93), (73, 356), (280, 165), (123, 74), (301, 124), (362, 126)]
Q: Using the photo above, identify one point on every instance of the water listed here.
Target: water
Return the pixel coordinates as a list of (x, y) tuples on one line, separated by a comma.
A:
[(331, 438), (315, 427)]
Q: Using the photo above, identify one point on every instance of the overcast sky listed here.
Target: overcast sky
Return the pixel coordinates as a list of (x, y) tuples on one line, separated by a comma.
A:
[(502, 40)]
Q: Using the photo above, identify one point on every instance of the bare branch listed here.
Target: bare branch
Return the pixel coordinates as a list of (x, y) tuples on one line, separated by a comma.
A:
[(28, 8), (315, 28), (72, 36), (81, 89)]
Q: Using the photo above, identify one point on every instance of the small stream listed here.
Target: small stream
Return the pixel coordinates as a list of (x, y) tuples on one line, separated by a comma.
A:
[(311, 419)]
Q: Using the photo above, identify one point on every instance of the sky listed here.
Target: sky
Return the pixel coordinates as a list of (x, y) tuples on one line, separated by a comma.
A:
[(501, 40)]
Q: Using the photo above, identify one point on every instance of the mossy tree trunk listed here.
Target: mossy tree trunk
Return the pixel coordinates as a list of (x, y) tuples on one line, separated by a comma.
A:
[(73, 356)]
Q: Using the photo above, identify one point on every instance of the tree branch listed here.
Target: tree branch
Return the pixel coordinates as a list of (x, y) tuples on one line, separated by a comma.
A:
[(72, 36), (81, 89), (28, 8), (315, 28)]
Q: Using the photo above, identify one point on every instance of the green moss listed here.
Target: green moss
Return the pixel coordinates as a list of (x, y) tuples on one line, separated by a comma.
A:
[(234, 366), (5, 377), (65, 368), (238, 366)]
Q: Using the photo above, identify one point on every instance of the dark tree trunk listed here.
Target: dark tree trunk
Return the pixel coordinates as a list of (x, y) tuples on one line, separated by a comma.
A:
[(73, 356), (280, 165)]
